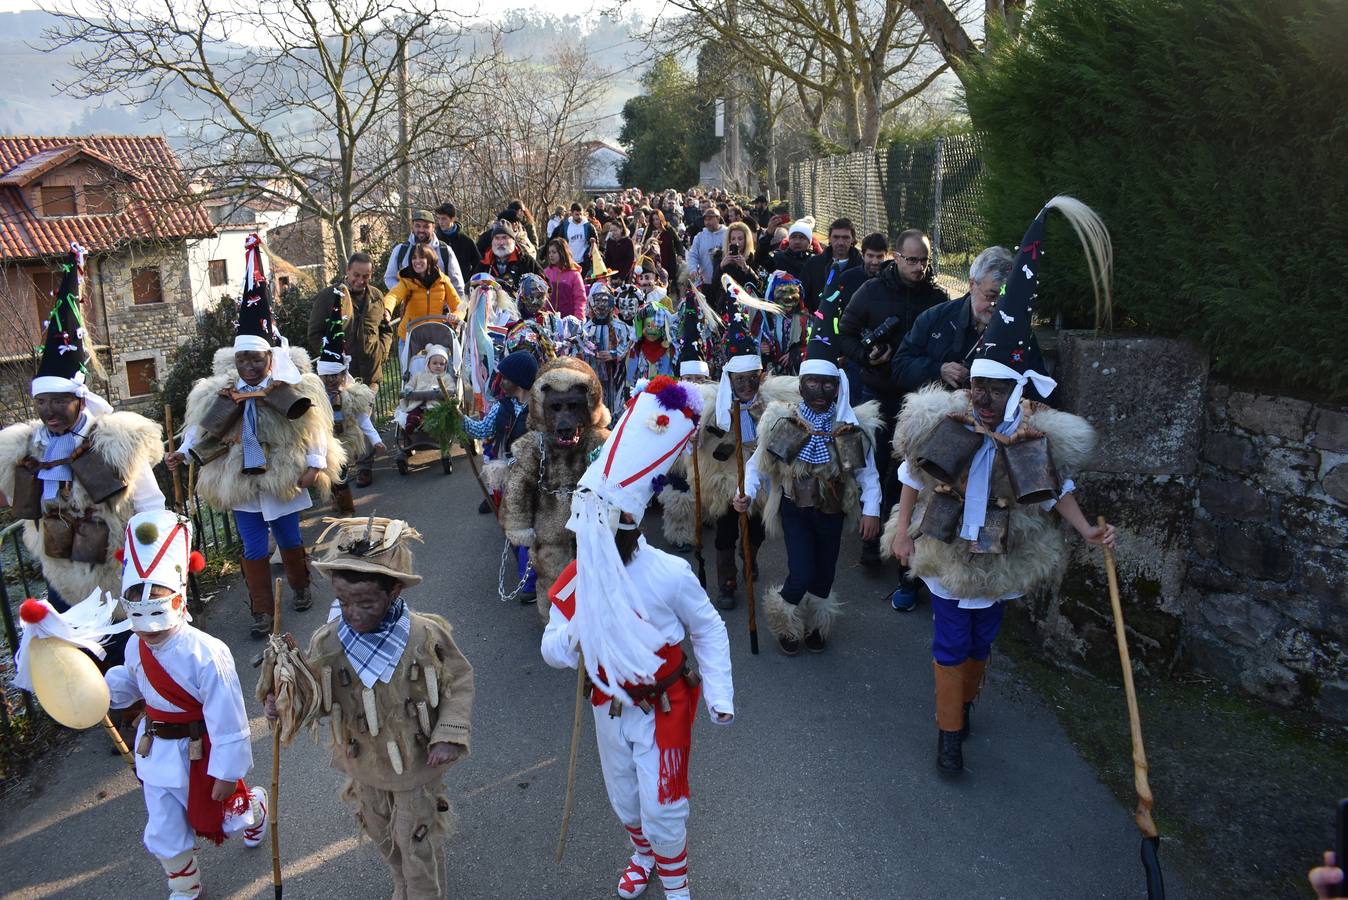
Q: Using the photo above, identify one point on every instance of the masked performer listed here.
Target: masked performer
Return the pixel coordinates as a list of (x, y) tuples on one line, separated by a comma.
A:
[(783, 334), (654, 350), (260, 429), (491, 311), (567, 422), (604, 345), (80, 471), (398, 696), (815, 457), (985, 469), (540, 330), (193, 745), (352, 403), (624, 608)]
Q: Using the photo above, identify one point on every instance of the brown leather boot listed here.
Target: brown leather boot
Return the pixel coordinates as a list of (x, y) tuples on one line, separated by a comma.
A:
[(949, 716), (974, 672), (297, 576), (342, 501), (257, 577)]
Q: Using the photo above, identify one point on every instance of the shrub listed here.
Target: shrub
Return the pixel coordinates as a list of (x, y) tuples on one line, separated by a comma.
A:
[(1209, 137)]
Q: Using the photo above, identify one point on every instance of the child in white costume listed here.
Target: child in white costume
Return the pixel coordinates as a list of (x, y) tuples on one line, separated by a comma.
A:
[(193, 746)]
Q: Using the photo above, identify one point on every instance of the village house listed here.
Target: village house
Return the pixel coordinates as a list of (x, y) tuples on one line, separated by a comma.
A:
[(125, 200)]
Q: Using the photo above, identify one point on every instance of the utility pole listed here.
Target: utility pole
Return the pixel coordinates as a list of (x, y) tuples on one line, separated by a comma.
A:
[(404, 147), (731, 169)]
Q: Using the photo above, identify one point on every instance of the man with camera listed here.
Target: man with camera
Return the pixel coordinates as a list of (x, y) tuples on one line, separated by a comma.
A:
[(879, 314)]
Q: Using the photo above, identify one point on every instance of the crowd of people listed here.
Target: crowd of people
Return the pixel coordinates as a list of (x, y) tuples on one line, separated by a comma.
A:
[(682, 350)]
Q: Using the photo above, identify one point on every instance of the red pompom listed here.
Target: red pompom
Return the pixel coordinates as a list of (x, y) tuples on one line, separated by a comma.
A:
[(120, 555), (196, 562), (32, 612)]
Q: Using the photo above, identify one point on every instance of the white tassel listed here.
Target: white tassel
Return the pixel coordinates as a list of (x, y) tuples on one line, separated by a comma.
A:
[(1099, 250)]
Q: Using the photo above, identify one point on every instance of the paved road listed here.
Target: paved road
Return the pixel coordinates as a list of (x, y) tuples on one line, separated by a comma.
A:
[(824, 786)]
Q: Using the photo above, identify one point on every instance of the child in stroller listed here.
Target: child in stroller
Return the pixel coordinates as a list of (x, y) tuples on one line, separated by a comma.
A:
[(430, 358)]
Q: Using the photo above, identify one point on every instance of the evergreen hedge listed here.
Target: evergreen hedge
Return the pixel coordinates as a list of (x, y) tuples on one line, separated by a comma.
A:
[(1213, 140)]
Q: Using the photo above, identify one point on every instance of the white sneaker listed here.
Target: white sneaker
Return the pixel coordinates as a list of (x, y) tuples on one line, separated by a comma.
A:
[(635, 878), (255, 833)]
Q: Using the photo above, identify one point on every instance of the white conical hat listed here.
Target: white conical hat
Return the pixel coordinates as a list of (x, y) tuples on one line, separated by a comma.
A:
[(157, 551)]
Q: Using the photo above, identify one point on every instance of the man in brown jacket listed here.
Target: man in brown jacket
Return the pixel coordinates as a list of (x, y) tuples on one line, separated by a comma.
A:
[(368, 333), (399, 697)]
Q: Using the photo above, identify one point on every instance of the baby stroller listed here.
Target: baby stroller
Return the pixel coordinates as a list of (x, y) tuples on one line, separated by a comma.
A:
[(421, 333)]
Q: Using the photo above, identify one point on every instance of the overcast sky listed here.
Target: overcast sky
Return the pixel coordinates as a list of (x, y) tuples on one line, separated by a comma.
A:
[(575, 7)]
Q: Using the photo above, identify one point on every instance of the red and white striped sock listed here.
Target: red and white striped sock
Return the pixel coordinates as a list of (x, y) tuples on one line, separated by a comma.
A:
[(641, 845), (673, 872)]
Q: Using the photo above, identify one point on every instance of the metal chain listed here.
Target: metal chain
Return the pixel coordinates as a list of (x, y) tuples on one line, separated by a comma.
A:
[(542, 470), (506, 554)]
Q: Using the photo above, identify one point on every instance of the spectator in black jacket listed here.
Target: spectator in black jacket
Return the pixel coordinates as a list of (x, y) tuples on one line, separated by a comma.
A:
[(449, 233), (874, 255), (886, 307), (937, 347), (799, 240), (821, 273)]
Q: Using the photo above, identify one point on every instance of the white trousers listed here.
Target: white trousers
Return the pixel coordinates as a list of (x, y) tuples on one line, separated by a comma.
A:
[(631, 763), (166, 830)]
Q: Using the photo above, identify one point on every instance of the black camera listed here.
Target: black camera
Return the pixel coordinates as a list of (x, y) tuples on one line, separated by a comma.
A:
[(882, 334)]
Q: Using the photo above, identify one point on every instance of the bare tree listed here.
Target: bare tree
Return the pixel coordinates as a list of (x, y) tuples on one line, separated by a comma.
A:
[(288, 99), (947, 32)]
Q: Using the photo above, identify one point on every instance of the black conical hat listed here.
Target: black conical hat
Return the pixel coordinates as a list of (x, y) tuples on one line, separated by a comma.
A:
[(823, 340), (255, 320), (739, 338), (1007, 337), (332, 356), (691, 347), (63, 352)]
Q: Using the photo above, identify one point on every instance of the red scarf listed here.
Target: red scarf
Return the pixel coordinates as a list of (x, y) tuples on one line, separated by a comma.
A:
[(204, 814), (673, 729)]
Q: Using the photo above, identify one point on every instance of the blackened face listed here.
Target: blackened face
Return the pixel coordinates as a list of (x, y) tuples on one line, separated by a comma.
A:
[(566, 412), (744, 385), (59, 412), (253, 365), (333, 383), (819, 391), (989, 396), (363, 603)]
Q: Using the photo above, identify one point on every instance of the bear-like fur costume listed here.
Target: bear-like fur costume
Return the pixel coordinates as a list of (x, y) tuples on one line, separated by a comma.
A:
[(535, 511), (357, 401), (1035, 550), (869, 418), (720, 478), (127, 441), (221, 482)]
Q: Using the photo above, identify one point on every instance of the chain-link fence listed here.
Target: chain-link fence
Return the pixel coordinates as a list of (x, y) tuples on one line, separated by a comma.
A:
[(933, 185)]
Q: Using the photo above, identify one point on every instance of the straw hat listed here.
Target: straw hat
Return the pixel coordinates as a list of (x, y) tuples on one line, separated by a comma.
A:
[(370, 544)]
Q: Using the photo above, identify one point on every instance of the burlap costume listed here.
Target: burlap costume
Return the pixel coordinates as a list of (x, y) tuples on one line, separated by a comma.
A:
[(221, 482), (126, 443), (537, 501)]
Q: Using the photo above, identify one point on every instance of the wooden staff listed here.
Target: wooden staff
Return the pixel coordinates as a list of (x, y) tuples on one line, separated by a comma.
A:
[(575, 749), (276, 766), (1151, 863), (179, 503), (744, 530), (118, 742), (697, 517)]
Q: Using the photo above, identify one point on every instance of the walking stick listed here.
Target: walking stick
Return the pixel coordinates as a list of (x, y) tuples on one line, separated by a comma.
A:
[(697, 517), (276, 767), (571, 766), (118, 742), (179, 504), (744, 531), (1151, 842)]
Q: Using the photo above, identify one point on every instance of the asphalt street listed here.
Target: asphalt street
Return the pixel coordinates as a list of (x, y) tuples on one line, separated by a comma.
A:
[(824, 786)]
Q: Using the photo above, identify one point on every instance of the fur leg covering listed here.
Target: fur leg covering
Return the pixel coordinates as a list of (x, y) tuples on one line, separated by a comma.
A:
[(678, 516), (783, 619), (819, 613)]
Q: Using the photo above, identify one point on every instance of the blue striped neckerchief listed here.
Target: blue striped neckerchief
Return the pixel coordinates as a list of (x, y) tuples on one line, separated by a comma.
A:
[(375, 654), (815, 450), (253, 455), (60, 446)]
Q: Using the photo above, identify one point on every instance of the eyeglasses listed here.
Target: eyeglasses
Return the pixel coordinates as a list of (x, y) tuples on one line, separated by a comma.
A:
[(915, 260)]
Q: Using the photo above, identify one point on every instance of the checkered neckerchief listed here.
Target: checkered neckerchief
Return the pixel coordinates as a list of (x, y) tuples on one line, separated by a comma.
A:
[(815, 450), (375, 655)]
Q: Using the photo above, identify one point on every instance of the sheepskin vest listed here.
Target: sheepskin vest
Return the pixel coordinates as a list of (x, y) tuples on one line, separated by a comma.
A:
[(126, 441), (1035, 550), (222, 482), (357, 400)]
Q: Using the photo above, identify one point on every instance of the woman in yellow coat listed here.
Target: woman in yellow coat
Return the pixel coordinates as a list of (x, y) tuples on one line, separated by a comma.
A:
[(422, 290)]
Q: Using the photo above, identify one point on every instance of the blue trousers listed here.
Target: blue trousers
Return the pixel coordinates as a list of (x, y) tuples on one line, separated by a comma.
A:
[(812, 543), (522, 566), (962, 634), (253, 529)]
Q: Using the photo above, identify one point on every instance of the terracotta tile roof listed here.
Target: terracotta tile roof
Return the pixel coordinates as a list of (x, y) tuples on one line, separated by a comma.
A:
[(151, 211)]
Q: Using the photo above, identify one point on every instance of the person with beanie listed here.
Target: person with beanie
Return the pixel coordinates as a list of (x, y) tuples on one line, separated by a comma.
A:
[(798, 251)]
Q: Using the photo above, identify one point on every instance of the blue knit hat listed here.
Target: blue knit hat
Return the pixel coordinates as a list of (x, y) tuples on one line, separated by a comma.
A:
[(520, 367)]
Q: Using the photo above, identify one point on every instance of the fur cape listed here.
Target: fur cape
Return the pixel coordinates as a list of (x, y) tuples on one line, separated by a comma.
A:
[(357, 401), (720, 478), (868, 415), (534, 511), (1035, 547), (126, 440), (222, 482)]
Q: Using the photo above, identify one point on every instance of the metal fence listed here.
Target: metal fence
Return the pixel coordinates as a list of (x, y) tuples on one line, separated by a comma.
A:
[(934, 186)]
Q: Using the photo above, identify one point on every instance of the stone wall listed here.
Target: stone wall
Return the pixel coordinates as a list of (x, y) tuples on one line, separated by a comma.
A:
[(1232, 511), (1266, 596)]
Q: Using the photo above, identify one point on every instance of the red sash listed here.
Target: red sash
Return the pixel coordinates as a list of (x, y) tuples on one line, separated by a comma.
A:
[(673, 729), (205, 815)]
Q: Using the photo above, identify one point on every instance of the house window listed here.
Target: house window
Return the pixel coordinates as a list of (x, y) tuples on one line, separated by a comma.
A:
[(58, 200), (100, 200), (365, 234), (219, 272), (145, 286), (140, 377)]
